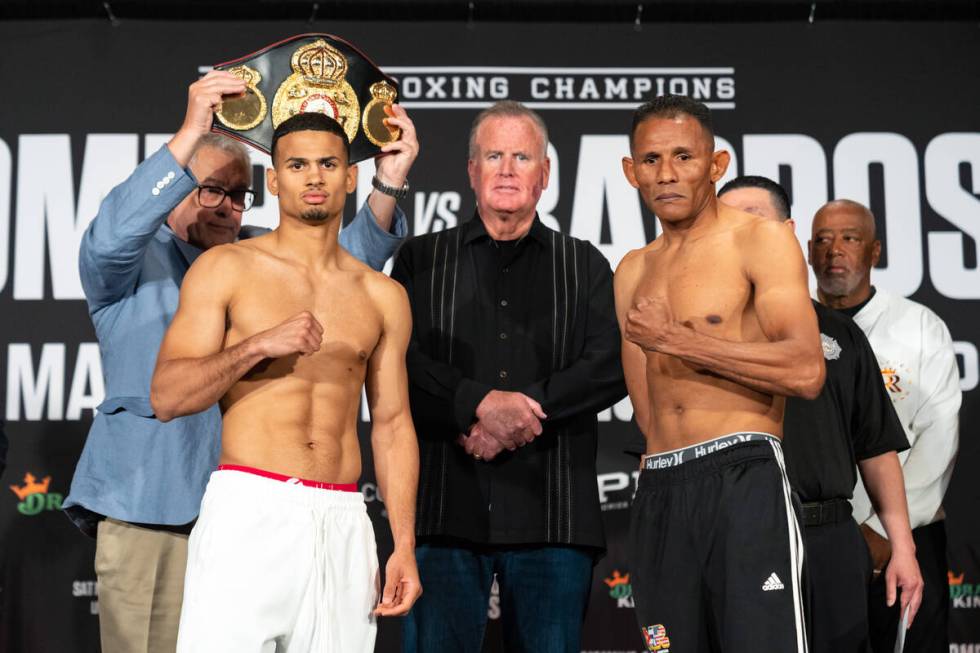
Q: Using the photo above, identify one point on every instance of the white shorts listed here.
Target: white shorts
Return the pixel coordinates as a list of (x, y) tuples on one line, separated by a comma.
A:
[(279, 567)]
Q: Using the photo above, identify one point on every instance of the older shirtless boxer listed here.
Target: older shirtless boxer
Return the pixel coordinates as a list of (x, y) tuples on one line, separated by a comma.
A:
[(284, 330), (718, 329)]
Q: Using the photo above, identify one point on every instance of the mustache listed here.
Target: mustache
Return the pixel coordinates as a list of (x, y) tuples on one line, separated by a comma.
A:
[(314, 215)]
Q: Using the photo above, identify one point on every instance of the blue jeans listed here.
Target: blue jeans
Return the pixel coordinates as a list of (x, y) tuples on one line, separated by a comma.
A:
[(543, 595)]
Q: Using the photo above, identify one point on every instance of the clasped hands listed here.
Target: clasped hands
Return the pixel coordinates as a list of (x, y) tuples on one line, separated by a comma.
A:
[(505, 420)]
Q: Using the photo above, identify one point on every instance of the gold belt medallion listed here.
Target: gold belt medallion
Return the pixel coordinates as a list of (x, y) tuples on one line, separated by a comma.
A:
[(318, 84), (373, 120), (247, 110)]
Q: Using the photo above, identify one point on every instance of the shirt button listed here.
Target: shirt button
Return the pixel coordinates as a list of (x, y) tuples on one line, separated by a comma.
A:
[(503, 336), (155, 191), (160, 184), (503, 374), (171, 175), (503, 302)]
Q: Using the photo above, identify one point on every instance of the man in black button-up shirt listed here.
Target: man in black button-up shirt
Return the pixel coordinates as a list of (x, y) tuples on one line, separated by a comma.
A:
[(515, 348)]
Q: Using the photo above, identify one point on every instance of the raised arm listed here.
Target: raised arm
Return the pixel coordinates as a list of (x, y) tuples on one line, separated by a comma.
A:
[(790, 361), (625, 281), (394, 444), (393, 165), (380, 226), (368, 240), (193, 372), (115, 242)]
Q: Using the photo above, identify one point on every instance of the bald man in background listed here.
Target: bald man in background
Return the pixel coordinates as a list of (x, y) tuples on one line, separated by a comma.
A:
[(915, 353)]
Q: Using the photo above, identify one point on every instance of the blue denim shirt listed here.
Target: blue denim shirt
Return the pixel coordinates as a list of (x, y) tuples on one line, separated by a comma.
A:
[(135, 468)]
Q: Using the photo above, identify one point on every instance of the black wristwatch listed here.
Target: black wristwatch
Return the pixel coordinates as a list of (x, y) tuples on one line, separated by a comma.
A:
[(397, 193)]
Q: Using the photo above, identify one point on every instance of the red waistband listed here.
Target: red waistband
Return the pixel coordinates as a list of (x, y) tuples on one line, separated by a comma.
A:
[(292, 480)]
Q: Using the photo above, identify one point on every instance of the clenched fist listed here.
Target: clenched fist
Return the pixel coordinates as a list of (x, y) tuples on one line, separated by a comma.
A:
[(300, 334), (649, 323)]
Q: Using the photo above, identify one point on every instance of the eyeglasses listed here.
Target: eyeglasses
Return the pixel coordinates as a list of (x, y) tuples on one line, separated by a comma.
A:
[(211, 197)]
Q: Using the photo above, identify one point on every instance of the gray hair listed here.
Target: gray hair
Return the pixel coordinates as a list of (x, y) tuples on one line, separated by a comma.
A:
[(508, 109), (228, 146)]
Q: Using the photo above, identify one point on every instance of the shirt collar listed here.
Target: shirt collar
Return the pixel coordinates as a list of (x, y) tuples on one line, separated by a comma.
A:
[(474, 229), (854, 310)]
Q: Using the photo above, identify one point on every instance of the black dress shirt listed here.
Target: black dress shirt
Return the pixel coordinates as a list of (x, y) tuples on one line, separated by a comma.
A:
[(852, 419), (536, 316)]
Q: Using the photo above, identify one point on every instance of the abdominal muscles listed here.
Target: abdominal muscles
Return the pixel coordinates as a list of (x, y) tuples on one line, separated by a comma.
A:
[(691, 406), (298, 416)]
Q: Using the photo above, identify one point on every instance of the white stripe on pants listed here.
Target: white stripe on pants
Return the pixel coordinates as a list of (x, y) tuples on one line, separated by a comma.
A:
[(277, 567), (796, 552)]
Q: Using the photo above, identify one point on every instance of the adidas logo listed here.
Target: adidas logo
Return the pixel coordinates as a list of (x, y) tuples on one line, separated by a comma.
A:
[(772, 583)]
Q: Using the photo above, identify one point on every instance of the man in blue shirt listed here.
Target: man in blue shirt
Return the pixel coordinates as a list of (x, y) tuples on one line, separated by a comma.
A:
[(139, 482)]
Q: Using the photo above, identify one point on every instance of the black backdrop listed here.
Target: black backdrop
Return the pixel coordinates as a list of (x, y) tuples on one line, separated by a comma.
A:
[(883, 113)]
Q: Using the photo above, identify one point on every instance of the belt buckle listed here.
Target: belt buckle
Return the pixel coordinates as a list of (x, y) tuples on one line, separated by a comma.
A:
[(807, 514), (813, 514)]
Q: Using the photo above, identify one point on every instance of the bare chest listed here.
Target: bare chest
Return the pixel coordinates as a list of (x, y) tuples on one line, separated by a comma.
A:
[(271, 295), (704, 284)]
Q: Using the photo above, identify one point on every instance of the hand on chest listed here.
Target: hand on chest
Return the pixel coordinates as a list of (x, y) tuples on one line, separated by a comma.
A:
[(349, 319), (708, 294)]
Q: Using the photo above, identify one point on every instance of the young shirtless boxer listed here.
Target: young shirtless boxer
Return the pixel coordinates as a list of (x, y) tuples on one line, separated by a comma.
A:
[(284, 330)]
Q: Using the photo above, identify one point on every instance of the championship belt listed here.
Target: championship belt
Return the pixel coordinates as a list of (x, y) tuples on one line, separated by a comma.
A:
[(309, 73)]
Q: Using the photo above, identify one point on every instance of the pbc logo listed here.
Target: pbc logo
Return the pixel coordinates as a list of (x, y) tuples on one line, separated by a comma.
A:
[(34, 496), (656, 638), (620, 589)]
